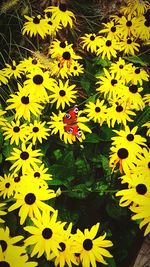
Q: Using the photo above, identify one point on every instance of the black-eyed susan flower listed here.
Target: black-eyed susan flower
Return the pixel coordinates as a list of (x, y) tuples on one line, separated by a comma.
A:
[(147, 124), (142, 212), (24, 104), (120, 113), (6, 186), (35, 25), (66, 254), (110, 85), (45, 235), (31, 64), (143, 28), (30, 200), (124, 156), (107, 48), (59, 70), (3, 79), (15, 132), (111, 30), (120, 68), (54, 26), (9, 242), (96, 111), (2, 212), (63, 94), (137, 7), (90, 41), (129, 138), (129, 46), (24, 158), (37, 83), (127, 26), (13, 70), (6, 259), (61, 14), (92, 249), (76, 68), (137, 186), (39, 173), (137, 75), (133, 97), (37, 131)]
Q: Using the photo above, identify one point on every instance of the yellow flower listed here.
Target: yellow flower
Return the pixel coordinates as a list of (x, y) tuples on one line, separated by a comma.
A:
[(110, 85), (13, 70), (31, 64), (2, 212), (15, 132), (125, 156), (2, 119), (133, 98), (137, 186), (137, 75), (24, 158), (76, 69), (107, 48), (121, 69), (37, 83), (129, 138), (90, 41), (37, 131), (137, 7), (128, 46), (147, 124), (6, 186), (57, 47), (91, 248), (127, 26), (63, 94), (24, 104), (61, 14), (35, 25), (111, 30), (96, 111), (146, 99), (29, 199), (143, 163), (143, 28), (45, 235), (119, 112)]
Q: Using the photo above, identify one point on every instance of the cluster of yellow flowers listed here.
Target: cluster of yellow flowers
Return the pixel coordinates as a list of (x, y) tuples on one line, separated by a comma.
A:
[(46, 80)]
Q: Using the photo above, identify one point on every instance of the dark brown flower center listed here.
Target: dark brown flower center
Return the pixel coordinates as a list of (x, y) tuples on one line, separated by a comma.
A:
[(87, 244), (25, 100), (47, 233), (24, 155), (92, 38), (137, 71), (129, 23), (130, 137), (38, 79), (149, 165), (121, 66), (36, 20), (129, 41), (3, 245), (62, 93), (113, 29), (62, 44), (66, 55), (122, 153), (97, 109), (13, 67), (16, 129), (4, 264), (7, 185), (75, 68), (141, 189), (113, 81), (133, 88), (34, 61), (50, 23), (108, 43), (37, 175), (63, 7), (62, 246), (30, 199), (17, 179), (147, 23), (119, 108), (35, 129)]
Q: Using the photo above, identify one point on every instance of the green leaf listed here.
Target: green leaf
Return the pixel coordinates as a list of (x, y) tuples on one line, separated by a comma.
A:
[(85, 84), (137, 60), (55, 182), (142, 118), (111, 262), (1, 158), (115, 211), (79, 191), (103, 62), (92, 138)]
